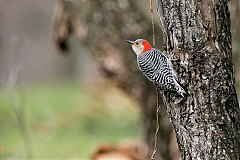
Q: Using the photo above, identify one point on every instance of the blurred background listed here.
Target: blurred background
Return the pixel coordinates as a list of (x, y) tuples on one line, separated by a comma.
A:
[(59, 106)]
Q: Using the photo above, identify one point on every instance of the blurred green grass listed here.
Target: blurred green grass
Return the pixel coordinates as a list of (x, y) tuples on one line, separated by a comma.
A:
[(67, 121)]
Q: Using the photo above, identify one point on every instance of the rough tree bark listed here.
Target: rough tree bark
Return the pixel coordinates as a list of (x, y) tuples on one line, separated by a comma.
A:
[(197, 34), (103, 26)]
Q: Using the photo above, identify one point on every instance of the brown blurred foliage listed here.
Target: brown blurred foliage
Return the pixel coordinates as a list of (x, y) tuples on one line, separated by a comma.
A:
[(133, 151)]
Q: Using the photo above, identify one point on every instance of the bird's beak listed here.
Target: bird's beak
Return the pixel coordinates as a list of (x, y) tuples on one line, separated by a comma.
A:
[(131, 42)]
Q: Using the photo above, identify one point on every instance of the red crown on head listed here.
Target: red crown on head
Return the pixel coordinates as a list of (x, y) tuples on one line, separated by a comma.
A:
[(146, 45)]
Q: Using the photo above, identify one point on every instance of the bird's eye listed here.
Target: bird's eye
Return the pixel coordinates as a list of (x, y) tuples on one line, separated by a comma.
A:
[(137, 43)]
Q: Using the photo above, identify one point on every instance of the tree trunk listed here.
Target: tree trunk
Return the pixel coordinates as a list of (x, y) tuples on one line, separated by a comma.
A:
[(207, 121), (103, 26)]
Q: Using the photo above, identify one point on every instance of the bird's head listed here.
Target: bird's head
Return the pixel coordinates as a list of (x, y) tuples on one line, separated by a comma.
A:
[(140, 46)]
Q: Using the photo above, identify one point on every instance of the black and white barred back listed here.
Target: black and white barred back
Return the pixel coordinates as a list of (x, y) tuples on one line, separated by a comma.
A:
[(158, 69)]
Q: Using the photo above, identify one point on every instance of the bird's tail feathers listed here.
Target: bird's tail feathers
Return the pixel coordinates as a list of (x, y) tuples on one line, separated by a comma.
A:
[(179, 89)]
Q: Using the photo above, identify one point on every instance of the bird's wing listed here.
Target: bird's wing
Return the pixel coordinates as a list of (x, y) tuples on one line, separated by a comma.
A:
[(163, 75)]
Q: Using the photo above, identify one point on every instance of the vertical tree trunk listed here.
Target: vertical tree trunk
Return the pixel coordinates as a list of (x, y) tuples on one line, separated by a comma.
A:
[(207, 121)]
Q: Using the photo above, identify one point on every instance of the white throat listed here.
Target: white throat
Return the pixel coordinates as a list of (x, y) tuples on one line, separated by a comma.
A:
[(138, 50)]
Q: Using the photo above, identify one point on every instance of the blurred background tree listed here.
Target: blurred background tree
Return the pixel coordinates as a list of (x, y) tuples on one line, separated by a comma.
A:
[(103, 27), (62, 96)]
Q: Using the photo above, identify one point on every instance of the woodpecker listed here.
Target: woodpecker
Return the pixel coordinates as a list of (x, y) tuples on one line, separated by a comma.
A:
[(156, 66)]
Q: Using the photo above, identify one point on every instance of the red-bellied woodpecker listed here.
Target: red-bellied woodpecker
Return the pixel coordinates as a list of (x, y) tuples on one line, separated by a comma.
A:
[(156, 66)]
